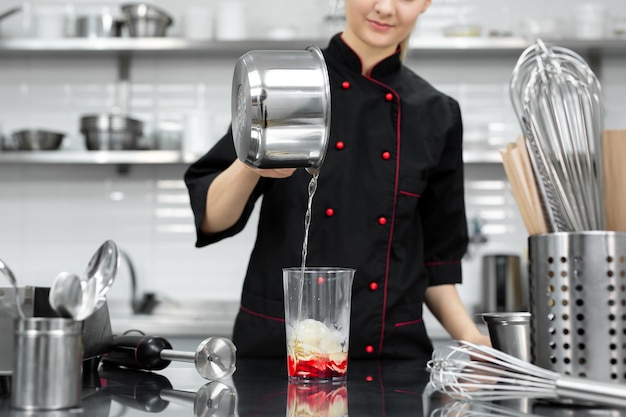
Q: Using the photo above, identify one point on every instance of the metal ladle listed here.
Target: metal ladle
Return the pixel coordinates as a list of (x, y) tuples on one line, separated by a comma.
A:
[(9, 274)]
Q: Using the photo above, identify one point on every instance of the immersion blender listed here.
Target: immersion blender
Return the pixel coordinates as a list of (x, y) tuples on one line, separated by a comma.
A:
[(214, 357)]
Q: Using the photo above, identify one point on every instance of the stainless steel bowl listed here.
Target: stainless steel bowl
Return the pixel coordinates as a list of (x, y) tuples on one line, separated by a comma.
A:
[(33, 140), (110, 132), (280, 107), (144, 20)]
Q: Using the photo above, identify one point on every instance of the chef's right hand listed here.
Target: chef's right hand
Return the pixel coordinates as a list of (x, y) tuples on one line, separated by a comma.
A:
[(274, 172)]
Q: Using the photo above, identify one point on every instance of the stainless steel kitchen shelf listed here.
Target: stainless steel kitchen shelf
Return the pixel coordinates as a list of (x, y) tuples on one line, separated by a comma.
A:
[(147, 45), (96, 157), (159, 157)]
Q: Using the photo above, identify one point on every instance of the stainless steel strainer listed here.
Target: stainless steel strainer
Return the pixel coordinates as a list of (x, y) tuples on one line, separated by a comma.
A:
[(578, 303)]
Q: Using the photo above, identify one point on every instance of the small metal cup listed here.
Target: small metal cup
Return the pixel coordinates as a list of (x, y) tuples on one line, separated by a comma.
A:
[(47, 364), (509, 332)]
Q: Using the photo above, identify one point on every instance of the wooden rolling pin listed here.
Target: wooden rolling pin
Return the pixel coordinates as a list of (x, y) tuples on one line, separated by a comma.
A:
[(614, 159)]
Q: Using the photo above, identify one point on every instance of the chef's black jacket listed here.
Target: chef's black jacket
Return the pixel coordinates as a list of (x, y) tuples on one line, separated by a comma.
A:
[(389, 203)]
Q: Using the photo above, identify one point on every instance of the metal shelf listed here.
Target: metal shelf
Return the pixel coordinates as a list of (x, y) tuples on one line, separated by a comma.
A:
[(96, 157), (211, 47), (160, 157), (125, 48)]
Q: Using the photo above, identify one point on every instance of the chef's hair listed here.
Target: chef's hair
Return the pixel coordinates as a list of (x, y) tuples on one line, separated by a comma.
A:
[(404, 48)]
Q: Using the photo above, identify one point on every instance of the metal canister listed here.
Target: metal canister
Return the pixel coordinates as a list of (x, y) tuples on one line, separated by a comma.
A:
[(281, 108), (47, 364)]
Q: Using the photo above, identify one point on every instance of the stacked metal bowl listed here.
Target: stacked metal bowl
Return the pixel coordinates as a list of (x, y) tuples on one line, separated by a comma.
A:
[(108, 131)]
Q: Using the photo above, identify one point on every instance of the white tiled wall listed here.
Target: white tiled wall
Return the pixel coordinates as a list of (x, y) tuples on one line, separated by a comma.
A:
[(53, 217)]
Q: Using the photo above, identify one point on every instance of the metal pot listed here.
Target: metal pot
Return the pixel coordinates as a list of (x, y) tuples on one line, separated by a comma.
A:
[(281, 108), (110, 132), (144, 20)]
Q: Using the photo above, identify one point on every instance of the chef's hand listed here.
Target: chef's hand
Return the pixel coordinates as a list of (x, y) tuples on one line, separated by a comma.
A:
[(274, 172), (479, 339)]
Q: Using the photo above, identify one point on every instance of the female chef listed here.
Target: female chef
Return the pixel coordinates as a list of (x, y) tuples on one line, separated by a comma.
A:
[(389, 201)]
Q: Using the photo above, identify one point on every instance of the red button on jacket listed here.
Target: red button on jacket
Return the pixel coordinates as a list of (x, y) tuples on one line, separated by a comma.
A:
[(388, 97), (369, 349), (386, 155), (345, 85), (340, 145), (382, 221), (373, 286), (330, 212)]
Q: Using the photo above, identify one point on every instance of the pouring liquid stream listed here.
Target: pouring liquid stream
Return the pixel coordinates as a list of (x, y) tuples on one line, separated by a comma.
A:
[(305, 243)]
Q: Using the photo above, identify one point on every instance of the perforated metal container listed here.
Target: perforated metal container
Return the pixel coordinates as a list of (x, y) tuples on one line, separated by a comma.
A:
[(578, 303)]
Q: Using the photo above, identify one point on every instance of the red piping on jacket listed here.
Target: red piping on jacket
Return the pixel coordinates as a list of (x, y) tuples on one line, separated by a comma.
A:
[(254, 313), (439, 263), (407, 323), (410, 194), (382, 391), (393, 212), (403, 391)]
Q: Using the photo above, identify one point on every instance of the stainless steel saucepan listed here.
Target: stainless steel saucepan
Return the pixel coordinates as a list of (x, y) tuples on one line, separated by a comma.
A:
[(281, 108)]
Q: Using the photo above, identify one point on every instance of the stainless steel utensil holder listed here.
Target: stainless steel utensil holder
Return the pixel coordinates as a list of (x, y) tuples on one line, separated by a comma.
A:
[(47, 364), (577, 293)]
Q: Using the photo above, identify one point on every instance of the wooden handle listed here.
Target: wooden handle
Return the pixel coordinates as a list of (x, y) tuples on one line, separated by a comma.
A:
[(519, 173), (614, 159)]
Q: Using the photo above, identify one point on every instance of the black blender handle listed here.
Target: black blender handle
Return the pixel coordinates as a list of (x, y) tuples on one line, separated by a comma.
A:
[(137, 352)]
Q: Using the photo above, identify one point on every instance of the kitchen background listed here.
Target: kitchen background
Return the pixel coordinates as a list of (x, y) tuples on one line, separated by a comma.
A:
[(55, 211)]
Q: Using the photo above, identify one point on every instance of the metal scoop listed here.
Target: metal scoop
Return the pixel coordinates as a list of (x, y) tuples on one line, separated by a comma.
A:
[(9, 274), (79, 297), (72, 297)]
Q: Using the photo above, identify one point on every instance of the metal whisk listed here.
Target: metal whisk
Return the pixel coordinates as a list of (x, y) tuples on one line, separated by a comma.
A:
[(469, 371), (557, 99), (476, 409)]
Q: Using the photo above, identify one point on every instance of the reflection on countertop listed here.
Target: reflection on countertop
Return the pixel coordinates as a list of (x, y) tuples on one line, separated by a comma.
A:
[(261, 388)]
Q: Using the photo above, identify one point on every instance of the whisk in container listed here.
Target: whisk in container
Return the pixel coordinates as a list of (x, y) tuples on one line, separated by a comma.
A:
[(557, 99), (475, 372)]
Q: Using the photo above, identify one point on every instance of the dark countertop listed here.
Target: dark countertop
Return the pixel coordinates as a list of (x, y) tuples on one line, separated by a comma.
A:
[(260, 388)]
